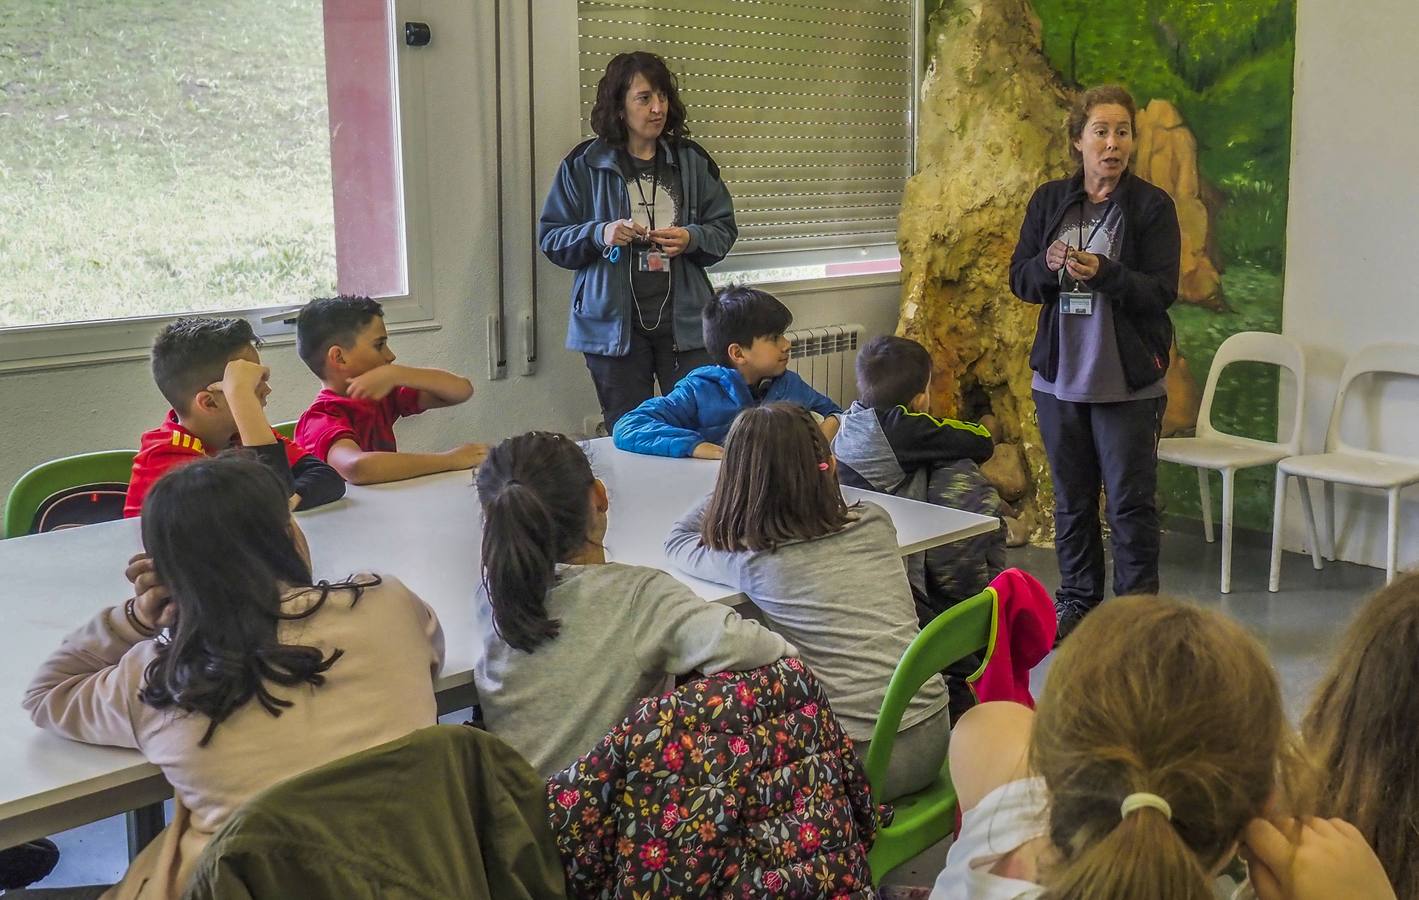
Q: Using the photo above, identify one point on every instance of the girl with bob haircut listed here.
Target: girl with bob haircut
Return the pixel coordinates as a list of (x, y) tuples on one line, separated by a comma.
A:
[(570, 640), (826, 576), (1361, 730), (232, 667), (1158, 744)]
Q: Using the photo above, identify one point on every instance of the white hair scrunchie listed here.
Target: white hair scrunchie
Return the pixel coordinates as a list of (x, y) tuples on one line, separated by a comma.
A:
[(1144, 800)]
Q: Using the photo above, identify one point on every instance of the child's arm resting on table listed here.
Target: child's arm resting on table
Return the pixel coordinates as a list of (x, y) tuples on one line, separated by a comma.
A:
[(314, 483), (678, 632), (86, 689), (377, 466), (687, 551), (662, 426)]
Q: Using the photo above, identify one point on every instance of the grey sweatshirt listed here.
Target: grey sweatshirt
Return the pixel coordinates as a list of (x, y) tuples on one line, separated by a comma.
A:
[(624, 630), (842, 600)]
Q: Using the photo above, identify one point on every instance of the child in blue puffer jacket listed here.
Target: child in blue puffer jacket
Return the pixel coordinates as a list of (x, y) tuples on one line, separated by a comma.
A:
[(743, 329)]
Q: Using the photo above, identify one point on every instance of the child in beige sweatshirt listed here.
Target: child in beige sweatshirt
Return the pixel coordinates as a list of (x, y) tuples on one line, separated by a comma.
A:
[(264, 674)]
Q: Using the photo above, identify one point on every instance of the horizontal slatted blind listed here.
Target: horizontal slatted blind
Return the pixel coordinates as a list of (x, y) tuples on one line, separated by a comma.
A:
[(805, 105)]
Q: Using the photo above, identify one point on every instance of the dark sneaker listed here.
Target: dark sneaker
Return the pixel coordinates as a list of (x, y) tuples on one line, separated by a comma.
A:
[(24, 865), (1068, 618)]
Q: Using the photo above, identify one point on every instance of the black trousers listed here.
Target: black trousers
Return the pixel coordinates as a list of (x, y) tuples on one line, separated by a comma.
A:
[(624, 382), (1114, 446)]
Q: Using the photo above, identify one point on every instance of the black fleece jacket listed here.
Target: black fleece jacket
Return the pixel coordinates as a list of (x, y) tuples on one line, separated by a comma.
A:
[(1141, 284)]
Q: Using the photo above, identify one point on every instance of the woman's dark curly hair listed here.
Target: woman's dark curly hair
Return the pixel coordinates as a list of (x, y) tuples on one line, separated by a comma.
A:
[(606, 118)]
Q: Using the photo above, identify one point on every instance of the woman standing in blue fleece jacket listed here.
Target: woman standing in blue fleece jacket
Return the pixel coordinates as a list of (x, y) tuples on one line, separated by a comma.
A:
[(743, 330), (637, 213)]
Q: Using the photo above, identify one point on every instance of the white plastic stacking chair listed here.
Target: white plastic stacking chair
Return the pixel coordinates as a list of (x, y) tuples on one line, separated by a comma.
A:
[(1343, 464), (1227, 453)]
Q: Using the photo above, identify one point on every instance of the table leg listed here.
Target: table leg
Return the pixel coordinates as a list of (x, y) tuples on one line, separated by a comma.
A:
[(144, 824)]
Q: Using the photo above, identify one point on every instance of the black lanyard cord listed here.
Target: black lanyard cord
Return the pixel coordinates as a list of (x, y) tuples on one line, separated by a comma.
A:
[(1083, 244), (654, 186)]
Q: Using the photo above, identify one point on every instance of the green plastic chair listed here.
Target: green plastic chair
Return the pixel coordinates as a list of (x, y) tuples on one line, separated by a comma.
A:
[(47, 479), (928, 816), (286, 430)]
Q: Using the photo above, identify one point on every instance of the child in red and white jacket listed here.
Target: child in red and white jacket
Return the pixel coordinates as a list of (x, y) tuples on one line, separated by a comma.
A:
[(209, 371)]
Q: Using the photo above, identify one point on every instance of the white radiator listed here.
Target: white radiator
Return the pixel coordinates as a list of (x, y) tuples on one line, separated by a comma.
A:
[(826, 357)]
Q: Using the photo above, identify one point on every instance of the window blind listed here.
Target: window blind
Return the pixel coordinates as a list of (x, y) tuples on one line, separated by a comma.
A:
[(806, 106)]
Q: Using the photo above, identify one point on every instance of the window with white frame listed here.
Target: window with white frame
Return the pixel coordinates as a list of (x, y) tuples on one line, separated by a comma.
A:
[(806, 106), (170, 157)]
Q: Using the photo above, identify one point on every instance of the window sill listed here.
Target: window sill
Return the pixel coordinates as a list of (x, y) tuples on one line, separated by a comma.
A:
[(814, 271), (829, 277), (144, 328)]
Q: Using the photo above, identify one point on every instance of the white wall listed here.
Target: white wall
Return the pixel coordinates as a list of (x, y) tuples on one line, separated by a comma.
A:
[(1353, 237), (56, 412)]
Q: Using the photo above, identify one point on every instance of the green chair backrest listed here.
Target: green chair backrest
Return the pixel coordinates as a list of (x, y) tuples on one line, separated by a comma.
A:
[(928, 816), (286, 430), (47, 479)]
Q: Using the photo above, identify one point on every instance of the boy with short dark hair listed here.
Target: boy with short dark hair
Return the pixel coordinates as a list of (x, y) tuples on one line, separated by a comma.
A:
[(211, 375), (351, 423), (890, 443), (744, 330)]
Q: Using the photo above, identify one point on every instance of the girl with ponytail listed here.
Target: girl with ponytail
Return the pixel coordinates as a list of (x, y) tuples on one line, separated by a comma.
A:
[(1159, 736), (570, 640), (232, 668)]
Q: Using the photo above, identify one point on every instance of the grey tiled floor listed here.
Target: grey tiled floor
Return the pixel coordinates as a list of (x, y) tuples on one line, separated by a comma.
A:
[(1299, 627)]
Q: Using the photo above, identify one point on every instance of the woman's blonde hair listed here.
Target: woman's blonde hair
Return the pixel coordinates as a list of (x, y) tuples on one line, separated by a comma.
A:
[(1361, 731), (1156, 696)]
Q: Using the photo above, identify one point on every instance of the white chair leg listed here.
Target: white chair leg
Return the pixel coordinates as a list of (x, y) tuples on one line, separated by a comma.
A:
[(1392, 552), (1309, 512), (1204, 490), (1329, 516), (1278, 511), (1229, 477)]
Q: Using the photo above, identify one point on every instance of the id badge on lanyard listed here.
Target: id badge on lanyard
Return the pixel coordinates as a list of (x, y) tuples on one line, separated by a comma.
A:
[(1079, 302), (1076, 303), (652, 261)]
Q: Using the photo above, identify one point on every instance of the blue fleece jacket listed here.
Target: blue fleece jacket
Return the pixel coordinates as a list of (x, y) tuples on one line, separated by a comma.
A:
[(589, 192), (701, 408)]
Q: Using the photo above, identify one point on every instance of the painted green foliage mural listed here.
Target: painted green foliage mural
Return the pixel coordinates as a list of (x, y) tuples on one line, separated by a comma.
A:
[(1227, 66)]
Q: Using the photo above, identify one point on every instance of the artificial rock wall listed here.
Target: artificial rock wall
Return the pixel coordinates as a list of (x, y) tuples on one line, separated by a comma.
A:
[(992, 128)]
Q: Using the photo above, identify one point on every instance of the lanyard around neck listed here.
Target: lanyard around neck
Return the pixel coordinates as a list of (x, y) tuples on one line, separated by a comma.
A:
[(654, 185), (1084, 244)]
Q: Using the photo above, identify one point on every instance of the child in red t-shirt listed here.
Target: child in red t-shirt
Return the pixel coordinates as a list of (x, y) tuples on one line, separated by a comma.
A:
[(351, 423), (210, 373)]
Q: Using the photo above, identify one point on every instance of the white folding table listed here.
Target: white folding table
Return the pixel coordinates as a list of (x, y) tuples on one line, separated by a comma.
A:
[(426, 531)]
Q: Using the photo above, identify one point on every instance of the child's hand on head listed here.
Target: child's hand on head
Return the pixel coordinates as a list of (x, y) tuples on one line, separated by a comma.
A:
[(1318, 858), (151, 602), (374, 384), (243, 378)]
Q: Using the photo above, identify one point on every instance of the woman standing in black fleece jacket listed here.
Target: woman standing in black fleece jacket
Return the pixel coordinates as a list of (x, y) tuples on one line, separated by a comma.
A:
[(1100, 252)]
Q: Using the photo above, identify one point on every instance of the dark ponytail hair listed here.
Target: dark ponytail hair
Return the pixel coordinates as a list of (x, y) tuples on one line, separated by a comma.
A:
[(536, 495), (1153, 695), (219, 533)]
